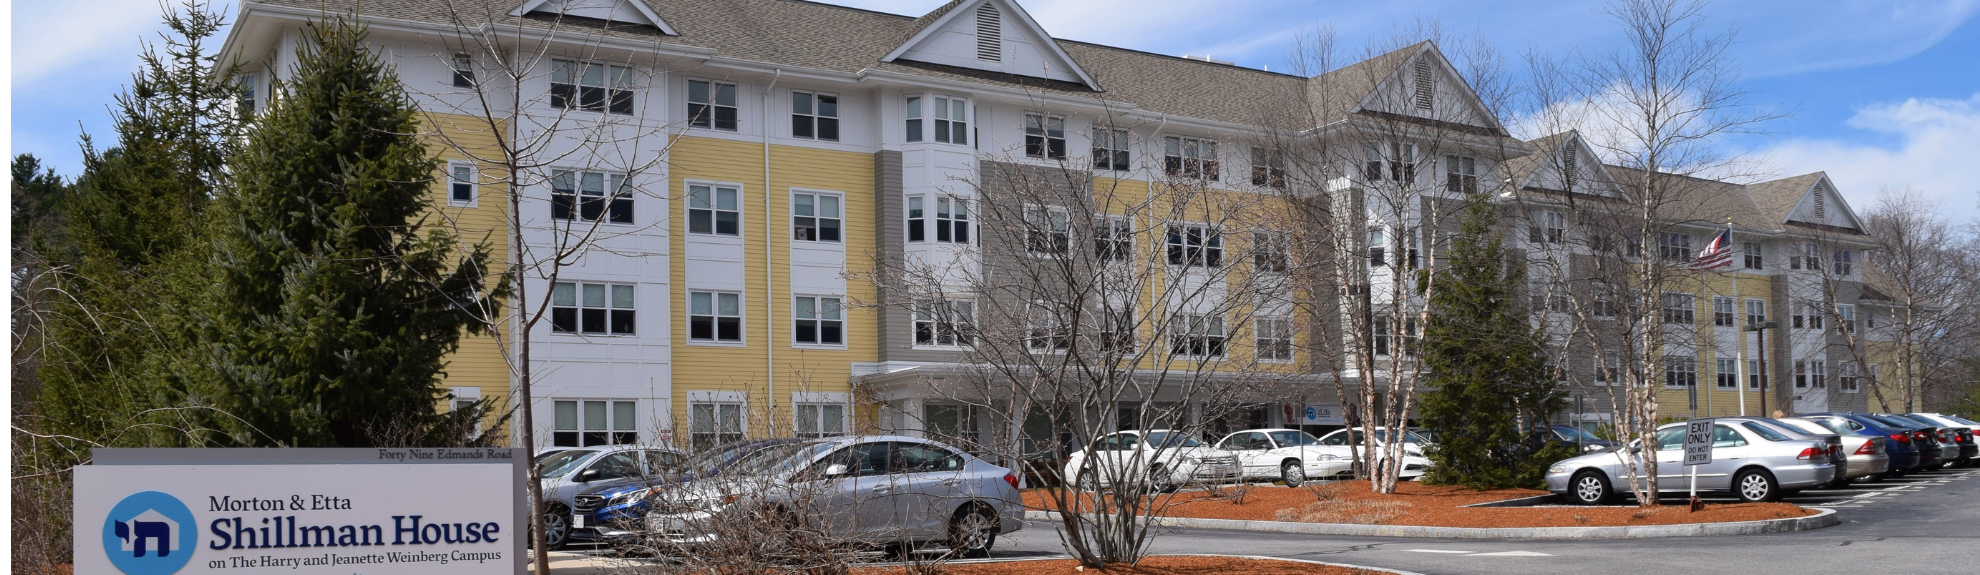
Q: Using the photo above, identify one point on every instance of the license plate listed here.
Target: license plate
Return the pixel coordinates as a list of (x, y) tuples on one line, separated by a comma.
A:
[(578, 522)]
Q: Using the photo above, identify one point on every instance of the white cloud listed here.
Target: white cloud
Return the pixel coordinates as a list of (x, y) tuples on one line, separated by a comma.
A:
[(1933, 146), (52, 36)]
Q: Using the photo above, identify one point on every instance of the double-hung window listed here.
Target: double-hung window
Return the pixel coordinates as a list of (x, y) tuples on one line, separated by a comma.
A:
[(1756, 255), (714, 210), (1846, 314), (1117, 330), (245, 100), (1723, 312), (1273, 339), (1846, 377), (1196, 335), (1809, 318), (575, 194), (1047, 329), (951, 219), (1268, 168), (1402, 163), (1843, 263), (1801, 374), (820, 320), (1047, 230), (1113, 238), (712, 105), (1727, 374), (815, 218), (592, 309), (952, 121), (1460, 174), (1110, 149), (597, 87), (1678, 309), (945, 323), (913, 118), (715, 317), (814, 116), (1680, 371), (463, 71), (1607, 368), (1195, 245), (1189, 158), (1270, 252), (1546, 226), (1818, 373), (1605, 299), (1807, 258), (1044, 136), (1674, 247), (585, 422), (820, 420), (714, 423), (460, 183), (1378, 251), (1756, 311), (1756, 377)]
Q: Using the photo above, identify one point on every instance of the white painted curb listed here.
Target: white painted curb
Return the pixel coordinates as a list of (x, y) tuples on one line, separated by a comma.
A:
[(1823, 518)]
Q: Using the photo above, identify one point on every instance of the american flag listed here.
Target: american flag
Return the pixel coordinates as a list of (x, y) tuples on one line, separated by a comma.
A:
[(1718, 254)]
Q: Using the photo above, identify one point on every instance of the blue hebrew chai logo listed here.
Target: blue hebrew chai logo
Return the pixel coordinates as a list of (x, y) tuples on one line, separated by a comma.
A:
[(149, 533)]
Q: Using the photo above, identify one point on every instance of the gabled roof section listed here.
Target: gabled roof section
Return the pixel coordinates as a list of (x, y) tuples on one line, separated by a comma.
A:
[(1542, 169), (989, 35), (1805, 199), (621, 11), (1391, 83), (1696, 200)]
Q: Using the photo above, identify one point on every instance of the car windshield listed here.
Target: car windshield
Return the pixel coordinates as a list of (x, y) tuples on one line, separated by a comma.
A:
[(1576, 434), (776, 458), (714, 461), (562, 462), (1290, 438), (1408, 436), (1962, 420), (1172, 439), (1782, 425), (1834, 424), (1893, 421), (1807, 426), (1764, 431)]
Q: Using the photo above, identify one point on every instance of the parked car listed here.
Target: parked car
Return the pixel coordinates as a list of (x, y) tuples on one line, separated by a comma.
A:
[(616, 512), (1287, 455), (1414, 464), (1751, 459), (877, 490), (578, 469), (1904, 455), (1162, 459), (1864, 451), (1954, 431), (1581, 439), (1931, 453)]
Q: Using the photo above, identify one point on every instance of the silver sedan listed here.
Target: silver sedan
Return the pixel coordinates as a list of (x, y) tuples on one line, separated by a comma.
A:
[(1751, 459), (1865, 453)]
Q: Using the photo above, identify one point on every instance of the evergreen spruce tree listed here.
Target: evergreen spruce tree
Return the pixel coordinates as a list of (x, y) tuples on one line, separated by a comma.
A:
[(333, 304), (1485, 363)]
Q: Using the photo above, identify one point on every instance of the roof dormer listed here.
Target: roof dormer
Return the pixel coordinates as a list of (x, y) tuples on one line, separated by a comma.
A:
[(990, 35), (633, 12)]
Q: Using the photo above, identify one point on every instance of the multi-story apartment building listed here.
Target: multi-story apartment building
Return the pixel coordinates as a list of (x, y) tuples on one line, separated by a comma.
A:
[(734, 178)]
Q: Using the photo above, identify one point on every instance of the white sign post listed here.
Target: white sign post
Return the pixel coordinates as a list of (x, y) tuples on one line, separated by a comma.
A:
[(327, 511), (1697, 451)]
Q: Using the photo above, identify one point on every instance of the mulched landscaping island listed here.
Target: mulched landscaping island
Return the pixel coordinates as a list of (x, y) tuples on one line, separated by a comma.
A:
[(1435, 506), (1171, 565)]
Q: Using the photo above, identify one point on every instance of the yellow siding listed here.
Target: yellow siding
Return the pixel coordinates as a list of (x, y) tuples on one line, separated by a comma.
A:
[(479, 362)]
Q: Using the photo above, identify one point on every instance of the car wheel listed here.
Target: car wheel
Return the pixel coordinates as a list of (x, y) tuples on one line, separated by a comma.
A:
[(1292, 473), (1087, 482), (556, 528), (972, 532), (1754, 485), (1589, 488), (1160, 481)]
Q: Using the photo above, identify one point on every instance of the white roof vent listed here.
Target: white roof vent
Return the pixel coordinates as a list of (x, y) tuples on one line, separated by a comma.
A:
[(989, 33), (1209, 59)]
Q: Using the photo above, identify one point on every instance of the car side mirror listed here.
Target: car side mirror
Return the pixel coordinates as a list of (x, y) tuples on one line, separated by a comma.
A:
[(587, 476), (835, 470)]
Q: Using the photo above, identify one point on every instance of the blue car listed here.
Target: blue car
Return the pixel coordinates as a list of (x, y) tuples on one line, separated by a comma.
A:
[(1902, 446), (615, 512)]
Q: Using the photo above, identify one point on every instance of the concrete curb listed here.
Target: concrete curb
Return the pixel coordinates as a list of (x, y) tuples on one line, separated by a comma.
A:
[(1822, 518)]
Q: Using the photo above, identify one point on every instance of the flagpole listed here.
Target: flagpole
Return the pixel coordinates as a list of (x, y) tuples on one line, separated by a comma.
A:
[(1739, 334)]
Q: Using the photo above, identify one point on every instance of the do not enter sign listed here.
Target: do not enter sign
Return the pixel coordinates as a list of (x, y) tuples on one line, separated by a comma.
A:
[(1698, 442)]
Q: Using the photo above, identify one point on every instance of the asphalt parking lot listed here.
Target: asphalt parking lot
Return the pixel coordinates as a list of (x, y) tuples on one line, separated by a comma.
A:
[(1927, 523)]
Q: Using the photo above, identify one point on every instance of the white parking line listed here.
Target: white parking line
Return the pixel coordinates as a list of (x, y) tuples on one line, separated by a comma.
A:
[(1438, 551), (1510, 554)]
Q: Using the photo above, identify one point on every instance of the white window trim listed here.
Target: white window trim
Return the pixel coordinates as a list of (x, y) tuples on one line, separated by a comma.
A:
[(578, 304), (917, 303), (611, 418), (1188, 318), (792, 210), (1064, 215), (715, 398), (630, 86), (1209, 229), (1045, 134), (845, 335), (687, 120), (789, 115), (742, 318), (1291, 341), (742, 215), (474, 185), (840, 399)]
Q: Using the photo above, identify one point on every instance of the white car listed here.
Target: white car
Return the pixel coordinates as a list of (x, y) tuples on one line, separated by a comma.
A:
[(1288, 455), (1163, 459), (1413, 463)]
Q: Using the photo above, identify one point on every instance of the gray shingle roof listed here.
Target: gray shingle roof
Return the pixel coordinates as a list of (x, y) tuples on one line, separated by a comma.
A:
[(1776, 198), (838, 38), (1698, 200)]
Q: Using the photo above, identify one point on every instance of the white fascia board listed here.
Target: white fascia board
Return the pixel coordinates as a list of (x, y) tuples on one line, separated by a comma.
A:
[(643, 9), (1847, 210), (1471, 98), (1023, 17)]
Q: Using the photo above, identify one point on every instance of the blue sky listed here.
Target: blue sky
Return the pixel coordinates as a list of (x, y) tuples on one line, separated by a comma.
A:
[(1884, 92)]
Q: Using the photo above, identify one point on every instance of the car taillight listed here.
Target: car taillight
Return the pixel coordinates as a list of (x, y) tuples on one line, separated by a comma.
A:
[(1901, 438), (1947, 436), (1011, 479), (1921, 436), (1835, 452), (1868, 448), (1817, 452)]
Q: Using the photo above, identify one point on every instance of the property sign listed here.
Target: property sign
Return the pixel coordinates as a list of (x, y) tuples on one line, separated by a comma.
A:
[(1698, 442), (1321, 414), (328, 511)]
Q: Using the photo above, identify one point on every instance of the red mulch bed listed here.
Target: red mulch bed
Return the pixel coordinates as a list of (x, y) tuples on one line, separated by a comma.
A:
[(1430, 505), (1170, 565)]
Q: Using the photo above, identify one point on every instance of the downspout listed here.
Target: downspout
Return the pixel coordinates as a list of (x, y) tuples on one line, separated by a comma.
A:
[(769, 273)]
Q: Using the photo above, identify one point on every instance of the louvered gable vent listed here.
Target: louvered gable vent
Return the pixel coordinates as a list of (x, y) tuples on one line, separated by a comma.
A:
[(1821, 210), (1425, 85), (989, 33)]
